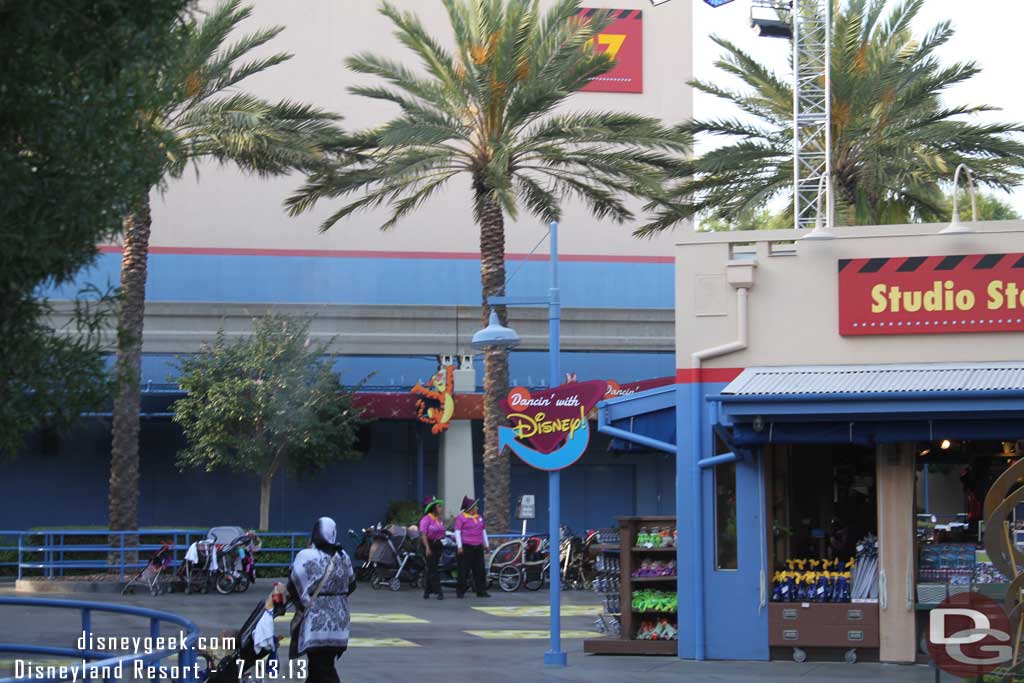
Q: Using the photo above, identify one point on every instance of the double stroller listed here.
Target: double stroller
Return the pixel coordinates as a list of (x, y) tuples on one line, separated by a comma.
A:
[(225, 558)]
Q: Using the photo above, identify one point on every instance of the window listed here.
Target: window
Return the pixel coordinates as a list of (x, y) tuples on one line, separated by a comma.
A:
[(725, 517)]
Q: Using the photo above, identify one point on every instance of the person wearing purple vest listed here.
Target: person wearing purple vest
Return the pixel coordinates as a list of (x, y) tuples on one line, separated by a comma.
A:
[(471, 538), (432, 532)]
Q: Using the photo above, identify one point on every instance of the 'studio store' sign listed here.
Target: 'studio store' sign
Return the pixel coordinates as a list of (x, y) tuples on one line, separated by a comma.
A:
[(931, 294)]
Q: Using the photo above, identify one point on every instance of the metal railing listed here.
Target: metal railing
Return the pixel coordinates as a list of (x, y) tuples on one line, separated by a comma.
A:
[(52, 553), (56, 553), (100, 663)]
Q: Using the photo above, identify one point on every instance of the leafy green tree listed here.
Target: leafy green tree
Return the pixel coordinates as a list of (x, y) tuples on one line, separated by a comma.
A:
[(759, 219), (73, 159), (265, 402), (209, 118), (990, 208), (895, 142), (491, 110)]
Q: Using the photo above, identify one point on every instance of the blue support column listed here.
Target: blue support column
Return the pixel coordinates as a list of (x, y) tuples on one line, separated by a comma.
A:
[(697, 522), (555, 656)]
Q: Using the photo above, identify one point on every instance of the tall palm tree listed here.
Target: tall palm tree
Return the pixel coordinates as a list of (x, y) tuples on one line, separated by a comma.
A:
[(895, 141), (210, 119), (485, 110)]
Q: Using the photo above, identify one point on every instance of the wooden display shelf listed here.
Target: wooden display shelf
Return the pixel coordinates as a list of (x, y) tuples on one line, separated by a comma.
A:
[(630, 557), (659, 612), (614, 645)]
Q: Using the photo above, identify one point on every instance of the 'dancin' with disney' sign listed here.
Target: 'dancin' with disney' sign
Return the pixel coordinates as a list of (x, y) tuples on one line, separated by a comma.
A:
[(549, 428)]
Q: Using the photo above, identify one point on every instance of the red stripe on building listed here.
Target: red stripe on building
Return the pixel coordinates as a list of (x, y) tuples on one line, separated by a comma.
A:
[(692, 375), (365, 253)]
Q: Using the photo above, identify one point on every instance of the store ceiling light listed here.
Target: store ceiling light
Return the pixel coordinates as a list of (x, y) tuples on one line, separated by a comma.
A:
[(946, 443), (925, 452)]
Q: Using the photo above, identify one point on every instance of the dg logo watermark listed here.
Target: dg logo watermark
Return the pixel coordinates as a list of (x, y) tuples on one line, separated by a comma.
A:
[(969, 635)]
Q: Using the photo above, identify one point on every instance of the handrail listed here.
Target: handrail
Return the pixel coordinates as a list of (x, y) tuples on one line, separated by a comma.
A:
[(46, 550), (49, 552), (187, 655)]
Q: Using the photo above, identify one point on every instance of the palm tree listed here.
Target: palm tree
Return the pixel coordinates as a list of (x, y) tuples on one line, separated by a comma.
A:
[(210, 119), (485, 110), (895, 142)]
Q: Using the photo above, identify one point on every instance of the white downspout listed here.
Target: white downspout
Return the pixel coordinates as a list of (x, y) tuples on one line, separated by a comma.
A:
[(743, 281), (697, 357)]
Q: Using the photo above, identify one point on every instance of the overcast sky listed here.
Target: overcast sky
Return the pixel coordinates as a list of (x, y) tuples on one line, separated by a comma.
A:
[(986, 31)]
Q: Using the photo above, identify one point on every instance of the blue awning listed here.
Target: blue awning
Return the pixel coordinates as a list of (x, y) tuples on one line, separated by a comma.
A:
[(642, 421), (872, 404)]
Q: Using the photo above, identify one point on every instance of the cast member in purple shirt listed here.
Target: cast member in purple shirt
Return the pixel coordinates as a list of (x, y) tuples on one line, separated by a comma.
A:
[(432, 532), (471, 537)]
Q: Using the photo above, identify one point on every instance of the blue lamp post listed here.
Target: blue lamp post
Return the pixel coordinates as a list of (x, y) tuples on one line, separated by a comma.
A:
[(496, 335)]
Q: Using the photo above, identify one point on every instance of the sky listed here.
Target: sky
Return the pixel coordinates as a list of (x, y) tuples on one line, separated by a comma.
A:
[(986, 31)]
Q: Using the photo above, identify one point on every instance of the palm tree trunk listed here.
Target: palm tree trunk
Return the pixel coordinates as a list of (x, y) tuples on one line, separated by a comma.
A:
[(497, 468), (124, 453), (265, 482)]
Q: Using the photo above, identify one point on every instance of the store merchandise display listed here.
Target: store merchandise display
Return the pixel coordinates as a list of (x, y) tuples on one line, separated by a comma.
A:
[(657, 630), (656, 537), (655, 568), (607, 583), (655, 601), (636, 580), (810, 580), (948, 563), (865, 572), (984, 571), (607, 564)]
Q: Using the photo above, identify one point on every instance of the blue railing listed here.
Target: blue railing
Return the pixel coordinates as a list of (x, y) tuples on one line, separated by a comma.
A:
[(51, 553), (185, 670)]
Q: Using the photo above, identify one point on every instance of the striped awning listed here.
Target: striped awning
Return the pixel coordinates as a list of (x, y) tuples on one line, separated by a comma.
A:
[(876, 379)]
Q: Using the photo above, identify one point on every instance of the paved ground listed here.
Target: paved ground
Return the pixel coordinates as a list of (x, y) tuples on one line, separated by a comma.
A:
[(401, 637)]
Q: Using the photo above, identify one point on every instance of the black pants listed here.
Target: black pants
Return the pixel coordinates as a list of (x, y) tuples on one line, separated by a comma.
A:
[(432, 584), (471, 561), (321, 664)]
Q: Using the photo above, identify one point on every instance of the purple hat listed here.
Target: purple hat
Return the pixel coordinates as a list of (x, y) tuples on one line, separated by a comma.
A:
[(469, 503), (431, 501)]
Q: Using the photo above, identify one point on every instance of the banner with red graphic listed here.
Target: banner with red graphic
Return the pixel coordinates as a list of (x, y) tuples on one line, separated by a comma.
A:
[(931, 294), (623, 41)]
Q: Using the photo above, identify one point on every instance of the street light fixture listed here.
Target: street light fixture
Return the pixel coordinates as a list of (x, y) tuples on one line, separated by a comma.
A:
[(955, 227), (495, 335)]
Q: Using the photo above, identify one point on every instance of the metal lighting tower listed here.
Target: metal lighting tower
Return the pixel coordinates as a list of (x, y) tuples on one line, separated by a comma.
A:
[(809, 24)]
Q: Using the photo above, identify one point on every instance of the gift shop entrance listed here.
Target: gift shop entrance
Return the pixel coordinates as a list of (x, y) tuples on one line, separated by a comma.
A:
[(822, 526)]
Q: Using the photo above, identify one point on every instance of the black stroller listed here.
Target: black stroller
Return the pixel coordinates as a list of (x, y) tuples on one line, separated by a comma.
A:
[(394, 556), (250, 660)]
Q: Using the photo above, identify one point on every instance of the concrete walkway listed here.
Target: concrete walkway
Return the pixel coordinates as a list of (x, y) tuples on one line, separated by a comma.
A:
[(401, 637)]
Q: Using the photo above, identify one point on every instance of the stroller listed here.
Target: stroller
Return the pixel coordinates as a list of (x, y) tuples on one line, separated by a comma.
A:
[(255, 654), (394, 557), (522, 561), (237, 563), (152, 575), (224, 558)]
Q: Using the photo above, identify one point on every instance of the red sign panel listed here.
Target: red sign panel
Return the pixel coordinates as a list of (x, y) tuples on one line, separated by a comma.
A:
[(623, 41), (931, 294), (548, 418)]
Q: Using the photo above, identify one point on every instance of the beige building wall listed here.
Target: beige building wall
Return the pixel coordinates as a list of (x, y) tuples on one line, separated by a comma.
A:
[(793, 304), (228, 210)]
